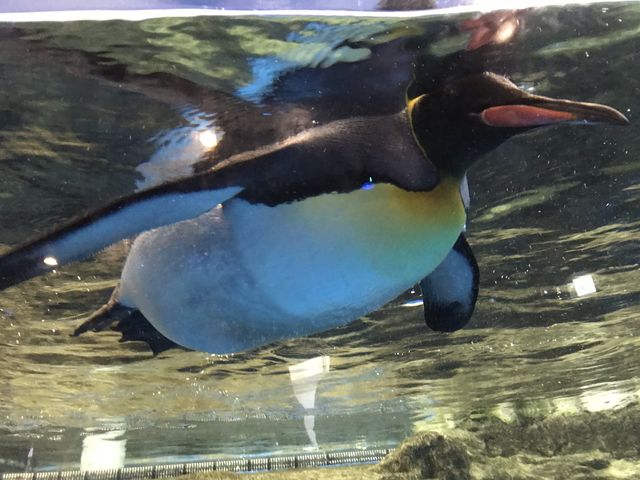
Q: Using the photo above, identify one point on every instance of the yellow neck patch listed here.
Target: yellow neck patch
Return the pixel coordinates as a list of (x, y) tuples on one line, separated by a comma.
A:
[(410, 106), (395, 228)]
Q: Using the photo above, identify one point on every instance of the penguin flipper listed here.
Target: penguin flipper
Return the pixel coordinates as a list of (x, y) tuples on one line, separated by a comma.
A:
[(124, 218), (451, 290), (130, 322)]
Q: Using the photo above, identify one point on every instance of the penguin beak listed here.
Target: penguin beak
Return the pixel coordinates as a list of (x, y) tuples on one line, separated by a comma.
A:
[(536, 111)]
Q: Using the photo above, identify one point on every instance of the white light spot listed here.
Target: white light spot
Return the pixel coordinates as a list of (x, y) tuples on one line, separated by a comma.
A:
[(584, 285), (505, 32), (600, 400), (103, 451), (418, 302), (50, 261), (208, 139)]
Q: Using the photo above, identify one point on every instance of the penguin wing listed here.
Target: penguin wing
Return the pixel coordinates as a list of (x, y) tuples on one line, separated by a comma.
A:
[(451, 290), (96, 230), (338, 157)]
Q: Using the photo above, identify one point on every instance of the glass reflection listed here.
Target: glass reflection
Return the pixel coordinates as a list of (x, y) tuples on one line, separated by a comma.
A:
[(103, 451), (584, 285), (304, 380)]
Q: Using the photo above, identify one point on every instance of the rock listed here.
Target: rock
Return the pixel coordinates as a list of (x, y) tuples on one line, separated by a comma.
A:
[(430, 456)]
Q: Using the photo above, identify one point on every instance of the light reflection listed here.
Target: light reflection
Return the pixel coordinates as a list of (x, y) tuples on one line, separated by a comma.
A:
[(30, 463), (418, 302), (506, 412), (179, 149), (208, 139), (567, 405), (103, 451), (584, 285), (51, 261), (304, 380), (309, 427), (599, 400), (495, 28)]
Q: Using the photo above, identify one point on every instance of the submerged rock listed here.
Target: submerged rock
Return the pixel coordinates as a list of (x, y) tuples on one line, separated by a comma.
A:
[(429, 455)]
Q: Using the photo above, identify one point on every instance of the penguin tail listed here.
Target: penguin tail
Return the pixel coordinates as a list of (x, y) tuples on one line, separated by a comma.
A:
[(130, 322)]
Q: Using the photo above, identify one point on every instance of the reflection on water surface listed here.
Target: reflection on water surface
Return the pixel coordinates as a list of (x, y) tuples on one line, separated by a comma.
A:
[(553, 222)]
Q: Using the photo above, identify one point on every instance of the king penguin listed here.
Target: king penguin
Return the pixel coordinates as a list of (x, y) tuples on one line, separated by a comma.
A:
[(313, 231)]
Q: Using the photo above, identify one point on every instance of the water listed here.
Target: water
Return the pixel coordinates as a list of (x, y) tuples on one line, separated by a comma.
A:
[(546, 208)]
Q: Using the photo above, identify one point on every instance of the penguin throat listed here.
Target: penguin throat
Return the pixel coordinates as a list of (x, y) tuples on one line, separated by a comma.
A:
[(430, 130)]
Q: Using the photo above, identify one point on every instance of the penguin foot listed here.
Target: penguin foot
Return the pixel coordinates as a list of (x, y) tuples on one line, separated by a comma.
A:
[(136, 328), (110, 312), (130, 322)]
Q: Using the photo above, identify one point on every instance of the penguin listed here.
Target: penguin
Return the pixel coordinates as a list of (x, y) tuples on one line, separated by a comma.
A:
[(313, 231)]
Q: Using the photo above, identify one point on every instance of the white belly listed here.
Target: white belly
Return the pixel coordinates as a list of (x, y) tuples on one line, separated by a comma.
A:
[(246, 275)]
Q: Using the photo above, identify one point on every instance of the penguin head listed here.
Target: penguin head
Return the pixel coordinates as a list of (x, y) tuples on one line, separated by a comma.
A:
[(466, 117)]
